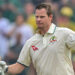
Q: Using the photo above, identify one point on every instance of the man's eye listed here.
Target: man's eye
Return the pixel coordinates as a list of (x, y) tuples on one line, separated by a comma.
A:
[(36, 16), (42, 16)]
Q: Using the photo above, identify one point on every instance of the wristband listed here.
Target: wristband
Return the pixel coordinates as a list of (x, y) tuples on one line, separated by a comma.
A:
[(6, 70)]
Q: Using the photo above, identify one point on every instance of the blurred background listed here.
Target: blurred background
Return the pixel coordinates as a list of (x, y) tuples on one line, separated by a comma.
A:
[(17, 24)]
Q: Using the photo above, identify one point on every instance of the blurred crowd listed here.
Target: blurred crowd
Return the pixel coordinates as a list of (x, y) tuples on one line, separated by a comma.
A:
[(18, 24)]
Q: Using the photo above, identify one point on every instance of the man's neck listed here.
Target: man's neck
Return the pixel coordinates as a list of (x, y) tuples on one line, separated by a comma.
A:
[(44, 30)]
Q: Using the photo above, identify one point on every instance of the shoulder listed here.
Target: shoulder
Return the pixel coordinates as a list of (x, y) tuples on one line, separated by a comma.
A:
[(33, 38), (5, 20), (27, 27), (64, 30)]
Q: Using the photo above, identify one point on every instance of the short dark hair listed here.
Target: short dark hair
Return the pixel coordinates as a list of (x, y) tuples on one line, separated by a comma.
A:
[(47, 6)]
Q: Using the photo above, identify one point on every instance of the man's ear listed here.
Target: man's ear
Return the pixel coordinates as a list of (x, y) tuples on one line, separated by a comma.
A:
[(51, 17)]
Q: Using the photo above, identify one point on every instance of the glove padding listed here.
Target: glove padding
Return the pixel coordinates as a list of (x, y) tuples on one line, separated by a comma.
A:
[(3, 67)]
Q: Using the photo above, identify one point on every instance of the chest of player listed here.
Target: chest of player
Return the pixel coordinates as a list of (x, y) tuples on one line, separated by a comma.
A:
[(48, 45)]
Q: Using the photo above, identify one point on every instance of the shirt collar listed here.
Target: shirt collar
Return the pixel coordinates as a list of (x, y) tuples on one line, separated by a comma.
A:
[(52, 29)]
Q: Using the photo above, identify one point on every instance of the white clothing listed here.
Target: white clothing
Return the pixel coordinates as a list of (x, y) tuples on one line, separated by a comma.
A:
[(51, 53), (25, 31), (4, 28)]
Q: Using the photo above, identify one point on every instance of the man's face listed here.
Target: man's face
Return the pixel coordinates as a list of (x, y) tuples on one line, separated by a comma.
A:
[(19, 20), (42, 19)]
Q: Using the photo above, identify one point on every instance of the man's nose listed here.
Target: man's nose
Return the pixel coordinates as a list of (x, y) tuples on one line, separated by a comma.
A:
[(38, 19)]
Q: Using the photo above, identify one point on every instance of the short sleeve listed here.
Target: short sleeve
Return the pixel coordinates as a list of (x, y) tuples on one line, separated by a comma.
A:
[(24, 57), (70, 42)]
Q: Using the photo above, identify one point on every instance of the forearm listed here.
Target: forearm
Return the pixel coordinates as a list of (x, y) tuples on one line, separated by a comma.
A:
[(15, 68)]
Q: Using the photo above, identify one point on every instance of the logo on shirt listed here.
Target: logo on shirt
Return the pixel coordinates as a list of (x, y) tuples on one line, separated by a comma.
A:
[(34, 48), (53, 39)]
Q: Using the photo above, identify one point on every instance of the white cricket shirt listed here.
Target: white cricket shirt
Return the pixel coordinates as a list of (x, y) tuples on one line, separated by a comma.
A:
[(51, 53)]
